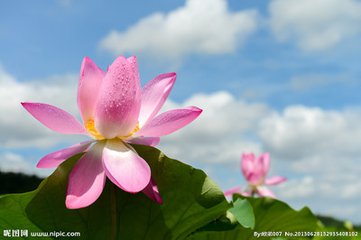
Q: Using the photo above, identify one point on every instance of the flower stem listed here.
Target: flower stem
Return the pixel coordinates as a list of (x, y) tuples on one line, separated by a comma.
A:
[(253, 193), (113, 214)]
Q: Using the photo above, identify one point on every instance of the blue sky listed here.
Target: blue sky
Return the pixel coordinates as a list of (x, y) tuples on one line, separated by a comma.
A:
[(281, 76), (64, 31)]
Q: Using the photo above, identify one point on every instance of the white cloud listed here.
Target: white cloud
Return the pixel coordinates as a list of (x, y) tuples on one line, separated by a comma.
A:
[(12, 162), (323, 146), (17, 127), (301, 131), (200, 26), (329, 192), (317, 149), (221, 132), (298, 188), (315, 24), (295, 133)]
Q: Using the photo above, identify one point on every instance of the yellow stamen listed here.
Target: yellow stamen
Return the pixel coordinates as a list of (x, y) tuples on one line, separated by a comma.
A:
[(136, 129), (90, 127)]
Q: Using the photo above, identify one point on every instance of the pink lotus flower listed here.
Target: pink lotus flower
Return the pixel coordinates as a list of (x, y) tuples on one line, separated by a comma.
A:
[(115, 111), (255, 171)]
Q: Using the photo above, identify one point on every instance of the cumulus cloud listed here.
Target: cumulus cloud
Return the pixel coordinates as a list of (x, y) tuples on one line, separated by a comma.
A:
[(317, 149), (294, 133), (327, 193), (17, 127), (12, 162), (200, 26), (315, 24), (300, 131), (322, 146), (222, 131)]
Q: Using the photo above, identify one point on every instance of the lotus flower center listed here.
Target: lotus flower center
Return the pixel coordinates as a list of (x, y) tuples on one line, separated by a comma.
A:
[(136, 129), (259, 182), (90, 127)]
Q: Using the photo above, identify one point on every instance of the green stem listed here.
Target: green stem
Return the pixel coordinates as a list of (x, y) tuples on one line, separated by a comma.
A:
[(253, 193), (113, 214)]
